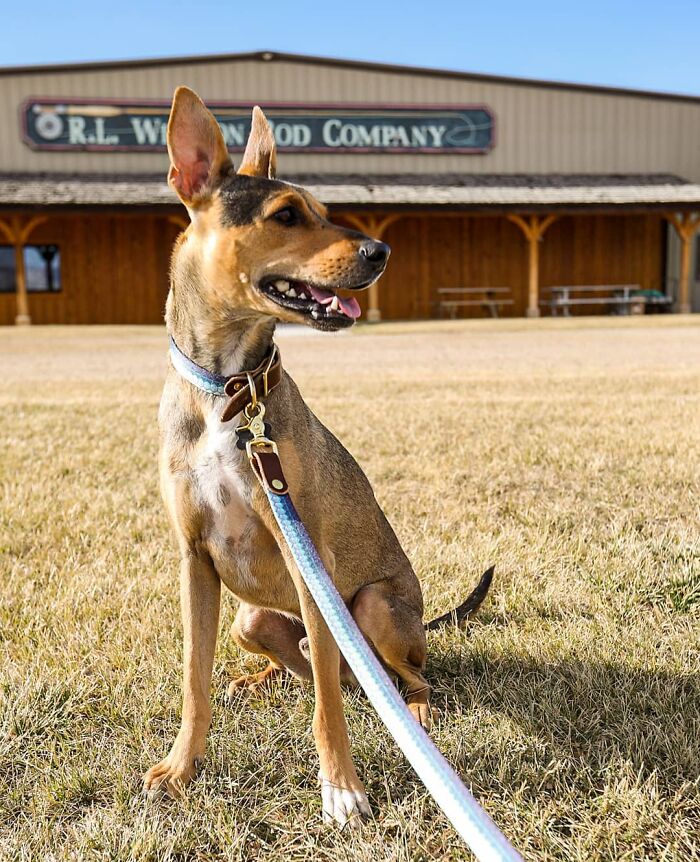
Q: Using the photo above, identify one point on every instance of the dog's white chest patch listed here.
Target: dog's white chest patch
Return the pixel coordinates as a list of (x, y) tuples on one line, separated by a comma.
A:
[(221, 487)]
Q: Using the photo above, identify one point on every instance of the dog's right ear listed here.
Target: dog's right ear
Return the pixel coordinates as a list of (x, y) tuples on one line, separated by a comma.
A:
[(198, 155)]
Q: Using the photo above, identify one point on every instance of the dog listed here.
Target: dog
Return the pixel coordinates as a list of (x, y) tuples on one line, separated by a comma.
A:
[(259, 250)]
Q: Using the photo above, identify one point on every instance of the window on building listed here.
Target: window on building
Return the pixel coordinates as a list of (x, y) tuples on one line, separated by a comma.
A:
[(42, 268)]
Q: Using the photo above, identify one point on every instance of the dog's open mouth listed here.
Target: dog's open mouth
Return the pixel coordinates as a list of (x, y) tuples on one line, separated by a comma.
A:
[(327, 309)]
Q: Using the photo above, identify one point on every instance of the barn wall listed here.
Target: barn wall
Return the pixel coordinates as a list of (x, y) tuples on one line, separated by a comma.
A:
[(429, 252), (114, 269), (540, 128)]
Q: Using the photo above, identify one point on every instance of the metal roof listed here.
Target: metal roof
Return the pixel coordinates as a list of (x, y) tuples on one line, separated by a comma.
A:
[(388, 68), (510, 191)]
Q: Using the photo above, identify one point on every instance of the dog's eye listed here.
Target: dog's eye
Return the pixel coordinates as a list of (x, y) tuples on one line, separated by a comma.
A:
[(288, 216)]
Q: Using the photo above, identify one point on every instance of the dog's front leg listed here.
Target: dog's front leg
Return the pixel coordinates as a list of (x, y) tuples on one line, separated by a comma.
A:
[(343, 795), (200, 596)]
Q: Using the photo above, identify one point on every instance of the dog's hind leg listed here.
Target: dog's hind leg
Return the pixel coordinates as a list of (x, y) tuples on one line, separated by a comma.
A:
[(268, 633), (392, 623)]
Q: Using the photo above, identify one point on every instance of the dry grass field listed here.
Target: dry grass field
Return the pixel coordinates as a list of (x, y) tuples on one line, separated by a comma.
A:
[(564, 452)]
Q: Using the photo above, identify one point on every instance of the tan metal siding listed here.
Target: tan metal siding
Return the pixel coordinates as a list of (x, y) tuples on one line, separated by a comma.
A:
[(538, 130)]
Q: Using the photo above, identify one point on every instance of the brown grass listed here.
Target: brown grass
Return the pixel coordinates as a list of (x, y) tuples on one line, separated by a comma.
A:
[(565, 452)]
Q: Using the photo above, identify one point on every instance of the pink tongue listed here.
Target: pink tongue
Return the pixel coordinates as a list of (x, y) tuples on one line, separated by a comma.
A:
[(350, 307), (325, 297)]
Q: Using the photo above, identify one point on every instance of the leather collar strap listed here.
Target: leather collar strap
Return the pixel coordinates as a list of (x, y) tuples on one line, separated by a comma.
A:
[(265, 377)]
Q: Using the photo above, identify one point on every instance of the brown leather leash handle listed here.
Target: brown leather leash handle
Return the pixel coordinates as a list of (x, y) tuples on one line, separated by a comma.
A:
[(267, 467)]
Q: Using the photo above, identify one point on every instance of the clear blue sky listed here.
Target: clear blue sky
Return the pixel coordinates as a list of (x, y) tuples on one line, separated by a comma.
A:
[(649, 45)]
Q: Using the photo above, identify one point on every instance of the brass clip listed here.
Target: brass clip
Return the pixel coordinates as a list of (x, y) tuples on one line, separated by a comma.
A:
[(255, 423)]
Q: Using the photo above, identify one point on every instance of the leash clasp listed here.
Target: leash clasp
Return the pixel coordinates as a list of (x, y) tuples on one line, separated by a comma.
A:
[(262, 452), (255, 424), (253, 430)]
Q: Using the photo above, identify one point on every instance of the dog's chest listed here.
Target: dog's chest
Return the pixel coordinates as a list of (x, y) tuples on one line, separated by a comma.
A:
[(223, 491), (242, 549), (222, 487)]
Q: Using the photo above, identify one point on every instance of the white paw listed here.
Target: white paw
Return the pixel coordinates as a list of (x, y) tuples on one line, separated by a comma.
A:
[(342, 805)]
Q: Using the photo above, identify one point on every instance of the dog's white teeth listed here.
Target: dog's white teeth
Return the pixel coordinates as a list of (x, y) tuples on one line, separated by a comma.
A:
[(334, 304), (315, 314), (282, 285), (302, 295), (291, 292)]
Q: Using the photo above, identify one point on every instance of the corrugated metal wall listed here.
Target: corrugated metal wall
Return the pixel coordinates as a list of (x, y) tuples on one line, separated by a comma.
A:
[(538, 129)]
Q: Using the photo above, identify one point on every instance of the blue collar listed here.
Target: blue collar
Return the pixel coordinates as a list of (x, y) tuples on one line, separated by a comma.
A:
[(214, 384)]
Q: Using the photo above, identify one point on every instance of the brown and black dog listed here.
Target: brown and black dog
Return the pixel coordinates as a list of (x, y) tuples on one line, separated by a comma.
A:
[(257, 251)]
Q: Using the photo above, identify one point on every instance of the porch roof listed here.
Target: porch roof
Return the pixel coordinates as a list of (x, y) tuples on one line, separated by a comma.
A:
[(469, 191)]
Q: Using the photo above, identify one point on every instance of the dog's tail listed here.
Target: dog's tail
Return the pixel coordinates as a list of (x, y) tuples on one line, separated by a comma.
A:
[(469, 606)]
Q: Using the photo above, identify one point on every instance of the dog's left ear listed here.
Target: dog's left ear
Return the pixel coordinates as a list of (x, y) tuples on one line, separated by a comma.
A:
[(260, 156)]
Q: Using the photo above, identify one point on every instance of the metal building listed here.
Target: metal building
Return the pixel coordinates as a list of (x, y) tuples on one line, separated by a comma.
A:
[(491, 191)]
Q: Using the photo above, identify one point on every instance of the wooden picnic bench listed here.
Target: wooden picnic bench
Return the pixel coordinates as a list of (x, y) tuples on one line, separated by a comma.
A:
[(619, 296), (488, 298)]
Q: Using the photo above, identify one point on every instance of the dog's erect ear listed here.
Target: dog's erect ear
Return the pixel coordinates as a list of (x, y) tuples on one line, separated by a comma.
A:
[(198, 155), (260, 156)]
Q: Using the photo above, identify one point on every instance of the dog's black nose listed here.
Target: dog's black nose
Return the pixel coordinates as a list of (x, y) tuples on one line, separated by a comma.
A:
[(375, 251)]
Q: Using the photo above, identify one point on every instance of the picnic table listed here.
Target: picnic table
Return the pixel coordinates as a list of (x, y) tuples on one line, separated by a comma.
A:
[(488, 298), (621, 297)]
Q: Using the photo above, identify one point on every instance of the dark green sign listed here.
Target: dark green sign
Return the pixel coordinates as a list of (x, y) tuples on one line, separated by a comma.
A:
[(98, 125)]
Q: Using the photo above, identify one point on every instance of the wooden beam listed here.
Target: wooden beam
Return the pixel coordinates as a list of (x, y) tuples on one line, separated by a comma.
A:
[(359, 222), (384, 223), (686, 226), (28, 227), (22, 316), (375, 227), (533, 229), (7, 232), (18, 232)]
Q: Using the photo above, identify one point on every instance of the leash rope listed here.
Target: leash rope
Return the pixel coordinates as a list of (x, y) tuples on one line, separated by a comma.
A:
[(470, 820)]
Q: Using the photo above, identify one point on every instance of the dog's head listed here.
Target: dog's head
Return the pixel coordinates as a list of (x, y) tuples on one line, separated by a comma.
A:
[(259, 244)]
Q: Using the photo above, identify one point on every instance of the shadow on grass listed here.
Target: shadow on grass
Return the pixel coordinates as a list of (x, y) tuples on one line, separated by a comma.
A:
[(595, 715)]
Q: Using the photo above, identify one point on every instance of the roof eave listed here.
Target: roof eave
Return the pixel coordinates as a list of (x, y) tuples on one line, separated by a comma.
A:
[(281, 56)]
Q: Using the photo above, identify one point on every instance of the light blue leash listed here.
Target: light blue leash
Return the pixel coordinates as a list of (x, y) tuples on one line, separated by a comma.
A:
[(469, 819), (475, 826)]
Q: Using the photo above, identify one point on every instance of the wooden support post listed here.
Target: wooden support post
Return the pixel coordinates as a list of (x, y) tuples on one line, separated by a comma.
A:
[(22, 317), (686, 226), (533, 229), (17, 232), (374, 226)]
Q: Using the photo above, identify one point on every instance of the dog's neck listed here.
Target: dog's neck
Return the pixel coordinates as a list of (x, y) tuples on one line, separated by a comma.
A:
[(222, 341)]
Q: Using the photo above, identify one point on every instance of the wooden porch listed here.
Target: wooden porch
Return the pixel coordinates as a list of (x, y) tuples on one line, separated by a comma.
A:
[(115, 263), (529, 252)]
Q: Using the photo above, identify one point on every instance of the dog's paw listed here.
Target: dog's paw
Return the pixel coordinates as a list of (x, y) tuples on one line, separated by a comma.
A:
[(174, 773), (168, 779), (253, 683), (343, 806), (424, 714)]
